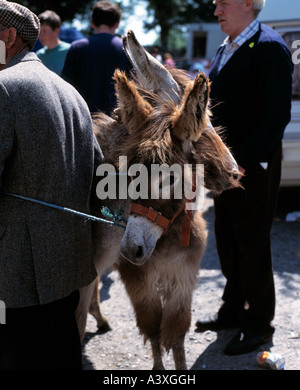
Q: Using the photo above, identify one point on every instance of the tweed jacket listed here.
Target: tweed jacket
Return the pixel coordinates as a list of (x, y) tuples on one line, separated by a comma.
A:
[(48, 152)]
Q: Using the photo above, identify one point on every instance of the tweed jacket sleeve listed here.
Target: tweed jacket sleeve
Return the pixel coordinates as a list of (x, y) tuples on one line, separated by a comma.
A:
[(6, 129)]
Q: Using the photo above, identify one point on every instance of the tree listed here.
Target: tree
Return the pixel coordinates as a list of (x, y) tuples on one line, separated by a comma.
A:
[(167, 14), (201, 10), (163, 15), (171, 13), (67, 10)]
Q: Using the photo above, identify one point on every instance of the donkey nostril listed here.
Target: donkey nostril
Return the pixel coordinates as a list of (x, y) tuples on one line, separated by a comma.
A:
[(139, 252)]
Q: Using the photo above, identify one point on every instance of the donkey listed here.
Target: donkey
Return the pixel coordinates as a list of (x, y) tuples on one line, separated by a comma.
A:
[(161, 119)]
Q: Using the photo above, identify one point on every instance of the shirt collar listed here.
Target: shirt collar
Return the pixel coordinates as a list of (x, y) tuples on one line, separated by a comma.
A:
[(246, 34)]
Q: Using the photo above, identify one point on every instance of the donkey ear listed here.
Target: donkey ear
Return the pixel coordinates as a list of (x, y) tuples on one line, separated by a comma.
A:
[(133, 109), (151, 74), (193, 115)]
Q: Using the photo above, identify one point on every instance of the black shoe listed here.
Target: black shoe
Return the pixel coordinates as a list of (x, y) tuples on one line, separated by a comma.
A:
[(247, 340), (215, 323)]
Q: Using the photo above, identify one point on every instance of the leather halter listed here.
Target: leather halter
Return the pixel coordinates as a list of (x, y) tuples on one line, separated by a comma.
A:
[(151, 214), (164, 222)]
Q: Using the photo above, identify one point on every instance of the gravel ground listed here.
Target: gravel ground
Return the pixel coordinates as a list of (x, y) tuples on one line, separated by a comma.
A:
[(123, 347)]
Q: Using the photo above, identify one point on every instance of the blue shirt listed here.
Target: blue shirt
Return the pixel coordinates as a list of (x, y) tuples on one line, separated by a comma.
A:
[(54, 59)]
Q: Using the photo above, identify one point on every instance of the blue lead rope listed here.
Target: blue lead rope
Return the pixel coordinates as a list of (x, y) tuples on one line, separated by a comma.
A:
[(54, 206)]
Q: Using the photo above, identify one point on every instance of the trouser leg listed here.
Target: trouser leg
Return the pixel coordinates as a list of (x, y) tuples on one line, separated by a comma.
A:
[(243, 220), (41, 337)]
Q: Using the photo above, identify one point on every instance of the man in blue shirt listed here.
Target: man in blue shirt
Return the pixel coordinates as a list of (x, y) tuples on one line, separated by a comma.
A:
[(91, 62), (54, 52), (251, 93)]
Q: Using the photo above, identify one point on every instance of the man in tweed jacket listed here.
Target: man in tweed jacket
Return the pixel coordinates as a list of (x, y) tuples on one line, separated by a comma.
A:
[(47, 152)]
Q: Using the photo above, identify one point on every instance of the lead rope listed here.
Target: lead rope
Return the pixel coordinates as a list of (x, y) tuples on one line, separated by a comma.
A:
[(114, 215)]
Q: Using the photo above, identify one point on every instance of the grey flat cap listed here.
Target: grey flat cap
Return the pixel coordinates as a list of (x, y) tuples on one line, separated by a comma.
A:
[(22, 19)]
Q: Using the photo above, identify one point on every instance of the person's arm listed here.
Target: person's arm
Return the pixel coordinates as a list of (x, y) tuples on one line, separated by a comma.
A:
[(6, 129)]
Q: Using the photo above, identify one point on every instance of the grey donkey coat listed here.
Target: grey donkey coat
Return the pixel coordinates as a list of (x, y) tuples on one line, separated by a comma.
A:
[(48, 152)]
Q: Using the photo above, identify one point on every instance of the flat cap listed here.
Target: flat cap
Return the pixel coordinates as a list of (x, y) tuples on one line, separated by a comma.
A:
[(22, 19)]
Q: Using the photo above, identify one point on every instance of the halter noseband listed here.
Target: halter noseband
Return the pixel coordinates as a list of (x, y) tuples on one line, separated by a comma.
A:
[(164, 222)]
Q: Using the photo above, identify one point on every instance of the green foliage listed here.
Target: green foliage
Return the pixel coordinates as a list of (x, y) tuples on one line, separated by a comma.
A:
[(179, 12), (169, 15), (200, 10), (172, 13), (65, 9)]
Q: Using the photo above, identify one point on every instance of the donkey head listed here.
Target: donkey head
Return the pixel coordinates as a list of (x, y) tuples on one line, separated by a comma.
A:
[(168, 125)]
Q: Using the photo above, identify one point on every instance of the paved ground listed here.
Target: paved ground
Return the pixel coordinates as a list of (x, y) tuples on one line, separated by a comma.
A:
[(123, 348)]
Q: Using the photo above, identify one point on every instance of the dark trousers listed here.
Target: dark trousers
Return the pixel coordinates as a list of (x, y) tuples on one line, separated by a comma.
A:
[(243, 221), (41, 337)]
